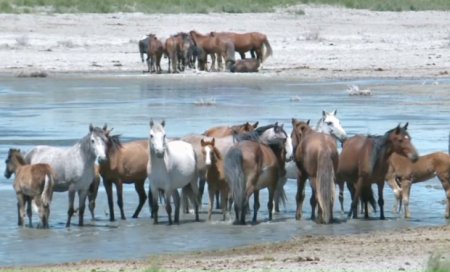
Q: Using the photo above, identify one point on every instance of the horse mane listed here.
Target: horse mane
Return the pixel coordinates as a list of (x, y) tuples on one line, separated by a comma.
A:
[(252, 135), (379, 145), (114, 143)]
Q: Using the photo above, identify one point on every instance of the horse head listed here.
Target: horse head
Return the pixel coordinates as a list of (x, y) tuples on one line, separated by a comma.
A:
[(330, 124), (209, 150), (157, 138), (401, 142), (299, 130), (10, 164), (97, 142), (273, 134)]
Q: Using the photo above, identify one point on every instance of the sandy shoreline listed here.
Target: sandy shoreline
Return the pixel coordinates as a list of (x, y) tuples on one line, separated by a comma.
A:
[(325, 43)]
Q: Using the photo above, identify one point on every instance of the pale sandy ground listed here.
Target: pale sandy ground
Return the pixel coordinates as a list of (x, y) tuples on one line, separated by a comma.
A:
[(325, 43)]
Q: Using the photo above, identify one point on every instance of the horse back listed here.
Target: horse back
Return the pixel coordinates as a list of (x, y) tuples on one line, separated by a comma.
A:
[(313, 148), (30, 178)]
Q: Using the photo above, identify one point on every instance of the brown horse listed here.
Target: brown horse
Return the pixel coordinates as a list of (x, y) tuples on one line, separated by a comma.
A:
[(251, 166), (222, 131), (126, 163), (365, 159), (177, 47), (316, 157), (154, 52), (209, 45), (33, 184), (244, 66), (244, 42), (215, 175), (405, 172)]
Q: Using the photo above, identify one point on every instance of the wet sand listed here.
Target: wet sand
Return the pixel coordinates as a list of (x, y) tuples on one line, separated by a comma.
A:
[(325, 43)]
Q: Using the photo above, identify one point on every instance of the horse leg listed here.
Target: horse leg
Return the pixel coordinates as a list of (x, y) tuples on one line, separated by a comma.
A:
[(224, 201), (29, 211), (176, 202), (341, 196), (153, 202), (300, 196), (406, 190), (92, 195), (213, 62), (168, 207), (270, 202), (82, 194), (256, 205), (119, 189), (218, 200), (380, 199), (356, 193), (211, 194), (139, 187), (242, 54), (71, 209), (313, 200), (108, 188)]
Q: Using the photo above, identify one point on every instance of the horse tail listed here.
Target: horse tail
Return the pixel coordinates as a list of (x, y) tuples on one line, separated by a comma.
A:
[(449, 143), (269, 51), (280, 193), (325, 186), (235, 177), (47, 192)]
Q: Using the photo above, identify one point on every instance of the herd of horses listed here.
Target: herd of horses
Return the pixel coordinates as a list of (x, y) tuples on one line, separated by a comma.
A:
[(235, 162), (190, 50)]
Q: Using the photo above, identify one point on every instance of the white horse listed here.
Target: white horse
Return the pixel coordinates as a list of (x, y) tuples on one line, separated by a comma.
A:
[(171, 165), (328, 124), (74, 166)]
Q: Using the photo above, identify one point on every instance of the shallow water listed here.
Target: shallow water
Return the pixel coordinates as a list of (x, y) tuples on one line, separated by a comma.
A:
[(57, 111)]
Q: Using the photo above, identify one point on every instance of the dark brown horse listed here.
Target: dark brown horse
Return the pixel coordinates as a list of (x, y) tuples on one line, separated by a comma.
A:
[(215, 175), (244, 42), (154, 52), (33, 183), (244, 66), (365, 159), (403, 171), (126, 163), (251, 166), (316, 157)]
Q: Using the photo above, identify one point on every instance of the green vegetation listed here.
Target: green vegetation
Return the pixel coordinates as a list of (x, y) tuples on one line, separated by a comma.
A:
[(205, 6)]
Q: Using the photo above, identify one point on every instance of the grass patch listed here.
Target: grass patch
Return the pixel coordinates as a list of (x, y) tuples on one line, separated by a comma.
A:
[(205, 6)]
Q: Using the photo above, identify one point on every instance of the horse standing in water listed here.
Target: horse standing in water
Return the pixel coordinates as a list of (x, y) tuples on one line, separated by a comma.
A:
[(316, 157), (215, 175), (255, 162), (125, 163), (74, 167), (173, 166), (402, 170), (365, 159), (33, 185)]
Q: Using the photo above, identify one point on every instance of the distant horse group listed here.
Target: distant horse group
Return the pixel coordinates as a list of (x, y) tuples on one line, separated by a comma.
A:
[(236, 162), (191, 50)]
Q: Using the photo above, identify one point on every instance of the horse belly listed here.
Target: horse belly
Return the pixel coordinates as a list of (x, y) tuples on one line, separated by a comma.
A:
[(266, 178)]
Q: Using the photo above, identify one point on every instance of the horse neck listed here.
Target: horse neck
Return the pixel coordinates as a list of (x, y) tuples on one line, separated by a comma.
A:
[(18, 162), (319, 125), (381, 151), (279, 154)]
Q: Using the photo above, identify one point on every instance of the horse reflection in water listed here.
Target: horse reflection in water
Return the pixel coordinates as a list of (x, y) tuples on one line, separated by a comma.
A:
[(364, 160), (255, 162), (172, 165), (74, 166)]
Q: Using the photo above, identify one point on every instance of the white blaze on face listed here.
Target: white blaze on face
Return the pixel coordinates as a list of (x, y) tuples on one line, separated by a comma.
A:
[(208, 152), (99, 147)]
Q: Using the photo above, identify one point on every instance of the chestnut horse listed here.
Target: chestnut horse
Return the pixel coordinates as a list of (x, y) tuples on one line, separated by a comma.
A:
[(154, 53), (244, 42), (365, 159), (250, 166), (125, 163), (33, 186), (215, 175), (316, 157), (405, 172), (222, 131), (209, 45)]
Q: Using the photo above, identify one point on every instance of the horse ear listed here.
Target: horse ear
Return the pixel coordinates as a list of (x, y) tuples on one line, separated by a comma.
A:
[(324, 113), (213, 141), (406, 126), (202, 142), (397, 129), (307, 122), (163, 123), (151, 123), (255, 125), (293, 121), (91, 127), (334, 112), (105, 127)]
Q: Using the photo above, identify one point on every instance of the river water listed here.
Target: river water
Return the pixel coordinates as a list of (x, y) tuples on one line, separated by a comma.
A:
[(58, 111)]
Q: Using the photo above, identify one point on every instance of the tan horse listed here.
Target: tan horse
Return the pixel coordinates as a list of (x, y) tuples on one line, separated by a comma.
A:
[(251, 166), (365, 159), (244, 42), (126, 163), (209, 45), (154, 52), (316, 157), (215, 175), (405, 172), (33, 185), (222, 131)]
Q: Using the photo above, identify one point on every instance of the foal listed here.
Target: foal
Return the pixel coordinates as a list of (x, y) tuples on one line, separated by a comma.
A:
[(33, 185)]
